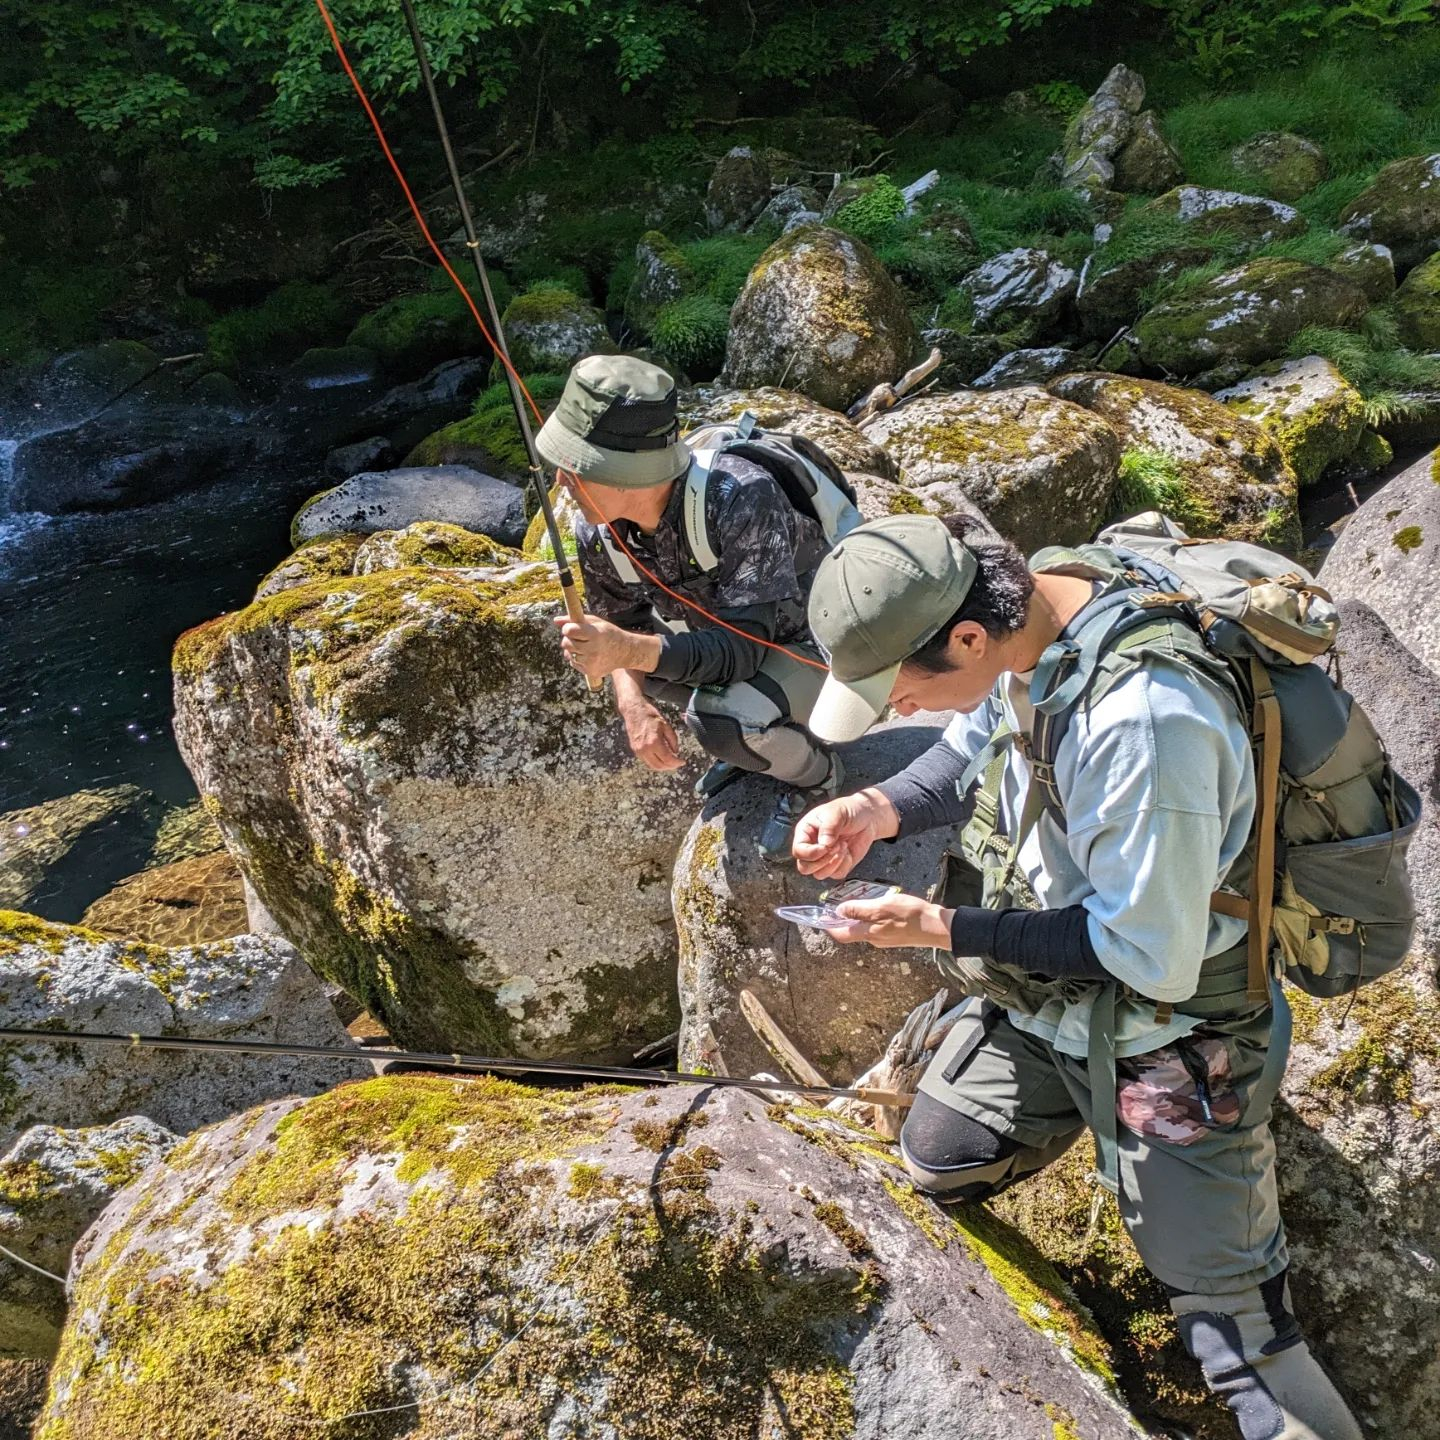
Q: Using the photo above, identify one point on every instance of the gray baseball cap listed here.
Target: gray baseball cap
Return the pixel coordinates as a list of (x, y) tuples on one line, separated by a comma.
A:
[(616, 424), (878, 596)]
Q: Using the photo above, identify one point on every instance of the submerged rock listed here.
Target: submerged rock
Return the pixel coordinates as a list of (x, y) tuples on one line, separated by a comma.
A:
[(504, 1261), (53, 1183), (839, 1004), (819, 314), (188, 902), (1308, 406), (435, 810), (38, 837), (790, 413), (66, 977), (1248, 315), (1227, 474), (1386, 558), (1040, 468), (392, 499)]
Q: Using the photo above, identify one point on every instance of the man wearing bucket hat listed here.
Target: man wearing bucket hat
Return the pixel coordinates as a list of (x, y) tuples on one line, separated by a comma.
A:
[(616, 427), (1094, 925)]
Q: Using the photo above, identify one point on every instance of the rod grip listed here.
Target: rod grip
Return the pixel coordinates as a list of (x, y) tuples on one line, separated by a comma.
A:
[(576, 611)]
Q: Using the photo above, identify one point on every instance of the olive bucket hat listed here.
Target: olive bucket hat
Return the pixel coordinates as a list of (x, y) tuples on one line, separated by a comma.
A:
[(616, 424), (878, 596)]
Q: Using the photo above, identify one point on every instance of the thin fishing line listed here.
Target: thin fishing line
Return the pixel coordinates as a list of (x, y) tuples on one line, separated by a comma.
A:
[(504, 359)]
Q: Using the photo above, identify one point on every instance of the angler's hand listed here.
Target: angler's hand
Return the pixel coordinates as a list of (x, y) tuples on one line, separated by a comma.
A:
[(597, 648), (833, 838), (652, 738), (894, 920)]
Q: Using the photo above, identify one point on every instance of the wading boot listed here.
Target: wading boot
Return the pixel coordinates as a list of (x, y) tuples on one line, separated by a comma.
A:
[(779, 831)]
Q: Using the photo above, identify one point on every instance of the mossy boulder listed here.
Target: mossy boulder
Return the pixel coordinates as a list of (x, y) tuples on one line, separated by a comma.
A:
[(1400, 209), (1041, 469), (661, 274), (1285, 166), (65, 977), (1231, 476), (53, 1183), (1371, 267), (188, 902), (1147, 163), (742, 183), (314, 560), (36, 838), (395, 499), (1308, 406), (789, 413), (1100, 130), (1416, 306), (819, 314), (1247, 315), (1109, 293), (431, 543), (428, 802), (549, 328), (1249, 219), (509, 1261), (412, 333), (1386, 558), (1026, 286), (786, 207), (964, 356), (839, 1004), (488, 439)]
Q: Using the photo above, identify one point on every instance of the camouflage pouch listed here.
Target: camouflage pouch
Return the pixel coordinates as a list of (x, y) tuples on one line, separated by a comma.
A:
[(1179, 1093)]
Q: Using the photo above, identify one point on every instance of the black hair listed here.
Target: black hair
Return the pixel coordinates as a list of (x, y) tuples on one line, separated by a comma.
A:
[(999, 600)]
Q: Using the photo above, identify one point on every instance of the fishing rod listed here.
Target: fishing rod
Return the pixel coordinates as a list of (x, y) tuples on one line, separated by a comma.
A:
[(508, 1065), (496, 335)]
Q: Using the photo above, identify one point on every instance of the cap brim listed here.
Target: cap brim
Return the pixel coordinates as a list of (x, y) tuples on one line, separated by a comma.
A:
[(567, 451), (846, 709)]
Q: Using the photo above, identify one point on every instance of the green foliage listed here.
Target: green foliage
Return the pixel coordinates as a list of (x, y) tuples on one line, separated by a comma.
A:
[(53, 307), (296, 316), (491, 423), (1151, 480), (691, 331), (721, 264), (872, 215), (1065, 97), (1386, 374)]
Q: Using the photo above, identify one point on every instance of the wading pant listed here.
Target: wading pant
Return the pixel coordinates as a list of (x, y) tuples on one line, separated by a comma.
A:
[(757, 723), (1197, 1189)]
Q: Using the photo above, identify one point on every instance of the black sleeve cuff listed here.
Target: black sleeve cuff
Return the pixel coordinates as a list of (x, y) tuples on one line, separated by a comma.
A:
[(1054, 943)]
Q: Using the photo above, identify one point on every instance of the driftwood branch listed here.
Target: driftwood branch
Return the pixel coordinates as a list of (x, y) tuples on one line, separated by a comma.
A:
[(778, 1043), (886, 396)]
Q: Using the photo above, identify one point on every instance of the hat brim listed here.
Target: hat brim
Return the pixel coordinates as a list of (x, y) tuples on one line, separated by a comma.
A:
[(846, 709), (624, 469)]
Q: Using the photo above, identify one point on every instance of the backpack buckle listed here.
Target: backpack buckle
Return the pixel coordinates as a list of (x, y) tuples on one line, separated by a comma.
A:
[(745, 425), (1154, 599)]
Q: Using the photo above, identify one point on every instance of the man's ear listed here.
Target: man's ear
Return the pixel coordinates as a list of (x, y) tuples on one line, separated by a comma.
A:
[(968, 643)]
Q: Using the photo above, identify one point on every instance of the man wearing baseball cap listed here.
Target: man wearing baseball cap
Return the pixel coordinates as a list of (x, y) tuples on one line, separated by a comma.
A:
[(1106, 992), (733, 666)]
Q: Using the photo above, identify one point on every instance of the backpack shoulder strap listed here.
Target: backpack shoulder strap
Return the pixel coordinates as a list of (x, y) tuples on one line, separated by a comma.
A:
[(696, 524), (627, 572)]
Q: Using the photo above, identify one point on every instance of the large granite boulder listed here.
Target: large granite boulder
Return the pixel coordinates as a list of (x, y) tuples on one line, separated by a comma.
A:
[(394, 499), (1147, 163), (839, 1004), (1249, 219), (1385, 558), (1111, 286), (1025, 287), (36, 838), (187, 902), (1041, 468), (1371, 267), (819, 314), (662, 274), (1286, 166), (434, 809), (1311, 409), (548, 329), (1030, 367), (1233, 472), (1246, 315), (53, 1183), (1416, 306), (1400, 209), (742, 183), (66, 977), (1111, 144), (790, 413), (475, 1257)]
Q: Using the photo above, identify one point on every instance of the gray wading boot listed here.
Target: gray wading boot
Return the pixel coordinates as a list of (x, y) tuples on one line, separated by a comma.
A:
[(779, 831), (716, 778)]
